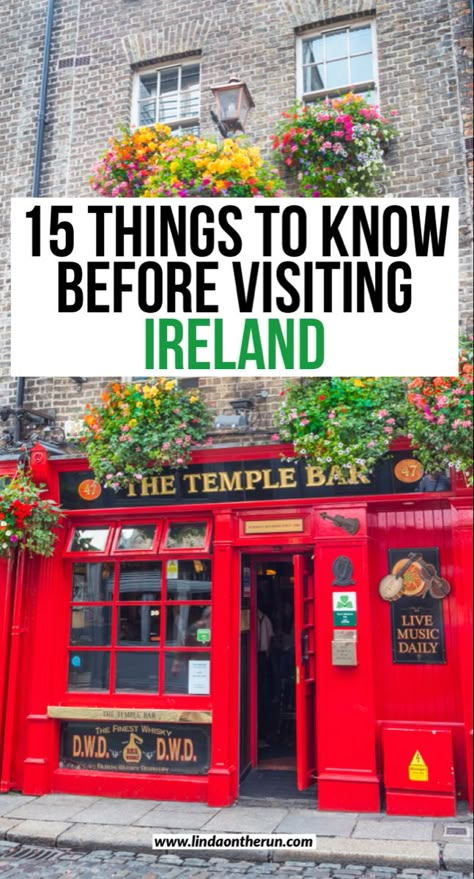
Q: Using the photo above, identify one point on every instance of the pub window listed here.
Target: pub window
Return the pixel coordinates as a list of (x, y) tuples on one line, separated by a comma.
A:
[(136, 537), (141, 626), (170, 95), (333, 62), (89, 539), (187, 535)]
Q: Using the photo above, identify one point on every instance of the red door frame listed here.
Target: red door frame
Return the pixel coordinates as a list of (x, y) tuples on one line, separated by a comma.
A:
[(305, 661)]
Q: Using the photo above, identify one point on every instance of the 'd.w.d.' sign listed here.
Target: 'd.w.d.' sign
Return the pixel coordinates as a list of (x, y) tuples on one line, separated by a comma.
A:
[(178, 748)]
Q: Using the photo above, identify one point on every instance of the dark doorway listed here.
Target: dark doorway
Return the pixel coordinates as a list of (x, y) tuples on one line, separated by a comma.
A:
[(276, 678)]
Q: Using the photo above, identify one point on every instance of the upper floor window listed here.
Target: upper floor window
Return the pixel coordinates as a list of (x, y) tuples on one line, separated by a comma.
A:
[(333, 62), (170, 95)]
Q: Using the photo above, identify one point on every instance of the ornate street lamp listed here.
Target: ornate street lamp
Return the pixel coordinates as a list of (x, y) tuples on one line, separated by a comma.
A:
[(233, 102)]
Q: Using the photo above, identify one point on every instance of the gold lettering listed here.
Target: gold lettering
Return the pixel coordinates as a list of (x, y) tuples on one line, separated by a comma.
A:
[(335, 475), (101, 749), (251, 478), (231, 482), (167, 484), (131, 490), (358, 474), (209, 482), (160, 749), (267, 480), (287, 477), (315, 476), (76, 746), (402, 633), (188, 750), (191, 479), (149, 486)]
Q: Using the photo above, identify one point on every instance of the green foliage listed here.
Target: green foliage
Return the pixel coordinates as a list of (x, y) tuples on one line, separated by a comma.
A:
[(335, 148), (138, 427), (26, 519)]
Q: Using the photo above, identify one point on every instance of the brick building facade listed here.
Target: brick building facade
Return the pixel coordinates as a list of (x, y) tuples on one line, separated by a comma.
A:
[(422, 64)]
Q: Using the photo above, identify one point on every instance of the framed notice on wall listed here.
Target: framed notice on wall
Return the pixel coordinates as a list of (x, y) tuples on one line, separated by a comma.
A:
[(417, 611)]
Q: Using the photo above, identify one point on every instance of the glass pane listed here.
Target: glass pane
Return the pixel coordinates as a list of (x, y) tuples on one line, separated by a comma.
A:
[(313, 50), (138, 625), (188, 625), (188, 580), (187, 129), (89, 670), (360, 40), (136, 538), (168, 108), (169, 80), (136, 672), (140, 581), (361, 68), (313, 78), (148, 86), (90, 626), (187, 673), (146, 113), (188, 534), (336, 45), (190, 76), (92, 582), (190, 103), (89, 539), (337, 73)]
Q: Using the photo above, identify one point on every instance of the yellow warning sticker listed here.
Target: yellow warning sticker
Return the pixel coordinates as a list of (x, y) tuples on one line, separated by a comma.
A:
[(417, 769)]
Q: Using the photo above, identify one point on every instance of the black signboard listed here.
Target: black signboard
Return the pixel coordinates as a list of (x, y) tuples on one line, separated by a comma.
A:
[(179, 748), (417, 619), (232, 481)]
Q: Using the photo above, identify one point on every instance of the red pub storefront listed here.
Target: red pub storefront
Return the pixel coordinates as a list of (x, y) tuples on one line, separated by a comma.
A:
[(132, 661)]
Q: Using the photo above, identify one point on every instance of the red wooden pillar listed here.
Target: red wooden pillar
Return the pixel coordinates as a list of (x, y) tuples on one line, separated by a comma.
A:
[(345, 696), (223, 779), (462, 523)]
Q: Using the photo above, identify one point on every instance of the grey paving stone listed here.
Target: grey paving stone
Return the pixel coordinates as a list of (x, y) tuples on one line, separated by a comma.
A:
[(386, 829), (52, 807), (179, 820), (189, 807), (7, 824), (368, 852), (458, 855), (318, 822), (115, 811), (9, 802), (46, 832), (91, 836), (246, 819)]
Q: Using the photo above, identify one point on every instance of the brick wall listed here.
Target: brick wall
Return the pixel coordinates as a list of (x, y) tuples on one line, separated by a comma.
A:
[(424, 60)]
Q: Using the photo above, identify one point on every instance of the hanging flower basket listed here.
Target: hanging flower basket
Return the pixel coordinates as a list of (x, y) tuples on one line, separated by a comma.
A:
[(335, 148), (141, 427), (153, 162), (27, 521), (342, 422), (440, 417)]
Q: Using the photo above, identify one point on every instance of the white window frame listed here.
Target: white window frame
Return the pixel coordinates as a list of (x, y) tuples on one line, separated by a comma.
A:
[(181, 121), (361, 86)]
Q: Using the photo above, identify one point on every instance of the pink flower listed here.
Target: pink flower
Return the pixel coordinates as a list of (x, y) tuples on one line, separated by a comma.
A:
[(382, 413), (331, 415), (165, 446), (179, 441), (370, 444), (390, 421), (388, 430), (275, 436), (304, 422)]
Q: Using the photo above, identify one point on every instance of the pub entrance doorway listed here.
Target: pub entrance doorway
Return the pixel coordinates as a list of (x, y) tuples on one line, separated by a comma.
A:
[(277, 729)]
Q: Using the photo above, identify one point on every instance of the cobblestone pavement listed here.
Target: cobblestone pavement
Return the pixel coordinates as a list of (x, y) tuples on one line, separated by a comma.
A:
[(21, 861)]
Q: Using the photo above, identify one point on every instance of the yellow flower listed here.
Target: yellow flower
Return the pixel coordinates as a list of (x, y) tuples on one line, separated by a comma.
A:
[(193, 398), (170, 385), (358, 383), (133, 422)]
